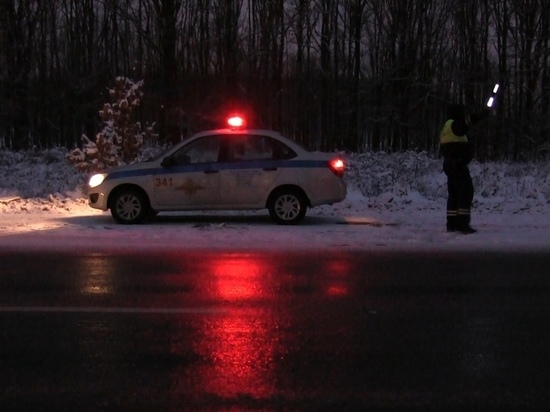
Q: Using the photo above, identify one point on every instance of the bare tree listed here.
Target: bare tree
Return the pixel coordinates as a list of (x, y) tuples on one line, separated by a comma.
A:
[(334, 74)]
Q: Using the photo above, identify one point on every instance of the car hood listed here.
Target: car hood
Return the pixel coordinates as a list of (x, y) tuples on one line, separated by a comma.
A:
[(133, 166)]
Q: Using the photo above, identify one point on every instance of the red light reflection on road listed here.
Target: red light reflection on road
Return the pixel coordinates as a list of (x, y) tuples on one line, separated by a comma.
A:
[(337, 271), (238, 277), (337, 290), (239, 348)]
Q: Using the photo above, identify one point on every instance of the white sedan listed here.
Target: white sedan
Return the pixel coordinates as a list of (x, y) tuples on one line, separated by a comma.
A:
[(228, 169)]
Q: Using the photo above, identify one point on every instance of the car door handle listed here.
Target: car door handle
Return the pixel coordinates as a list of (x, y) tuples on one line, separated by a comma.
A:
[(211, 171), (270, 169)]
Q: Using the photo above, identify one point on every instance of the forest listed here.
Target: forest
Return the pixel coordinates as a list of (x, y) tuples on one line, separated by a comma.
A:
[(350, 75)]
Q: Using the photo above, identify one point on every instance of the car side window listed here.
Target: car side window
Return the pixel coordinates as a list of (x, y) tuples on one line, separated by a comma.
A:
[(281, 151), (203, 150), (249, 147)]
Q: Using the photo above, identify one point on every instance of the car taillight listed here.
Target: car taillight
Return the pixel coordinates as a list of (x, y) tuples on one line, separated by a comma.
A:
[(337, 166)]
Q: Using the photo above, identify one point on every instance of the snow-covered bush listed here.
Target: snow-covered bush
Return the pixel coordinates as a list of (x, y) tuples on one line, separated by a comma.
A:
[(376, 173), (387, 181), (121, 138), (405, 175), (40, 174)]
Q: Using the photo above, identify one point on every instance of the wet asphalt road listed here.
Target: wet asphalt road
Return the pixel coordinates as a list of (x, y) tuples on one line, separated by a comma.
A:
[(274, 331)]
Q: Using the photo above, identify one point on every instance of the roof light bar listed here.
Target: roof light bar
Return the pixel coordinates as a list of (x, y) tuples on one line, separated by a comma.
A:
[(235, 121)]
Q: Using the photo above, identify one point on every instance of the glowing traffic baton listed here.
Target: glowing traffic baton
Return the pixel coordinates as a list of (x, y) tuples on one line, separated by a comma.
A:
[(491, 100)]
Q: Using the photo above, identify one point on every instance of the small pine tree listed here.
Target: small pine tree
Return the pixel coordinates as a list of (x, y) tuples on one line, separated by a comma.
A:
[(120, 139)]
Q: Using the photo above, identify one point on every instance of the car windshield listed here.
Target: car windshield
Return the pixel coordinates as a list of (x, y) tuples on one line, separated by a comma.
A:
[(160, 155), (167, 149)]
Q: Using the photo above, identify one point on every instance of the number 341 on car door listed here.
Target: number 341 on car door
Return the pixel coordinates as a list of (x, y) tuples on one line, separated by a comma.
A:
[(163, 182)]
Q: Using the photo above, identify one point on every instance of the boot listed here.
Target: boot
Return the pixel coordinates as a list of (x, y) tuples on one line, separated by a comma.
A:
[(467, 230), (452, 221), (463, 225)]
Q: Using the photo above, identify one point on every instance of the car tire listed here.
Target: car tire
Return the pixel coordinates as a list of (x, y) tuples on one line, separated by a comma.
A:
[(129, 206), (288, 206)]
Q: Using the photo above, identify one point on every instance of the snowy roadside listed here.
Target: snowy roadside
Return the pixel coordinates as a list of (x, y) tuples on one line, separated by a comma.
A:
[(395, 202), (70, 225)]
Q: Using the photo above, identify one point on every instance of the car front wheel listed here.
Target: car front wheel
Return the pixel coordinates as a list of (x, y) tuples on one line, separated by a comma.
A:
[(288, 207), (129, 206)]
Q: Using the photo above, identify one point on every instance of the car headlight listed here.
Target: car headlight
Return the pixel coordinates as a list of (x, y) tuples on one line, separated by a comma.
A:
[(97, 179)]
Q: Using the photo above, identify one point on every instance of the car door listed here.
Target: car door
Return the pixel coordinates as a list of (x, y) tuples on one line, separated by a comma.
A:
[(190, 178), (253, 166)]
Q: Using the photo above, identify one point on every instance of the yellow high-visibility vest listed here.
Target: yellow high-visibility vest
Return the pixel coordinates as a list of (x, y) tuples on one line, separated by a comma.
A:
[(447, 135)]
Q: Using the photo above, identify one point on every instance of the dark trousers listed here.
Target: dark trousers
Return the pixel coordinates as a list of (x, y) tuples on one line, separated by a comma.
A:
[(461, 194)]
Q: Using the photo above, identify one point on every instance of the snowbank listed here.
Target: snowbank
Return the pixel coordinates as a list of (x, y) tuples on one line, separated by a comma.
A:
[(395, 201)]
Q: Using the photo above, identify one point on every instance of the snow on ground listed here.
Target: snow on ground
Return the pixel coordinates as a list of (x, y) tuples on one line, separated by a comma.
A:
[(394, 202)]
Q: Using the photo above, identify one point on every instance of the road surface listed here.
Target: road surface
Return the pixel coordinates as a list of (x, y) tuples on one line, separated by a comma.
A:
[(315, 330)]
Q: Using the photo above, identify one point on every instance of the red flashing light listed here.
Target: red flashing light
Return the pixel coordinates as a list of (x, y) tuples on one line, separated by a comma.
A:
[(337, 166), (235, 121)]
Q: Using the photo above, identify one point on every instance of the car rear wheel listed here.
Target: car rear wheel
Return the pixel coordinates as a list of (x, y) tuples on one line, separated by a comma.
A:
[(288, 207), (129, 206)]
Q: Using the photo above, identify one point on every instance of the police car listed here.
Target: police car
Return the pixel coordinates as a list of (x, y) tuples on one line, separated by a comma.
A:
[(227, 169)]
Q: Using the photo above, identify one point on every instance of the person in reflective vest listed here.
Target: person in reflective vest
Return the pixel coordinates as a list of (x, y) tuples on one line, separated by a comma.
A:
[(457, 153)]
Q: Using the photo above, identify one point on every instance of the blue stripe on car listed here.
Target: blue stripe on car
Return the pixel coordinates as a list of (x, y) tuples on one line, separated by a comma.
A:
[(203, 167)]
